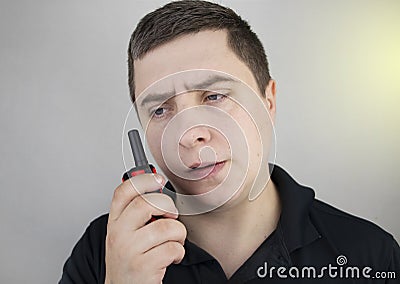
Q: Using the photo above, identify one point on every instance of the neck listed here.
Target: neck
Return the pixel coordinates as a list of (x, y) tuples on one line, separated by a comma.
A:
[(245, 225)]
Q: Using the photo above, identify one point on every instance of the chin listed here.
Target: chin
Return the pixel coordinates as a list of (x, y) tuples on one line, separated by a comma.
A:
[(201, 200)]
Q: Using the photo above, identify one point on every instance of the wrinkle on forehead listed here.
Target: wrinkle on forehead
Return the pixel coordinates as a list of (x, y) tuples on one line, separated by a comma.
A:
[(207, 50)]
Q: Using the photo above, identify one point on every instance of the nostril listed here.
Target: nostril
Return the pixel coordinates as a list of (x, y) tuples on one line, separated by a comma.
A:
[(194, 136)]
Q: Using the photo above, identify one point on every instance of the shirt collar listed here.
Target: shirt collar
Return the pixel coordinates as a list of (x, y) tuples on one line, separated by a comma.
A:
[(297, 228)]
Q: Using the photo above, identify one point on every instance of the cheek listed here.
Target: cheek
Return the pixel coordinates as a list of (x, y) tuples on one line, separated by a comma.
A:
[(251, 131), (154, 142), (246, 123)]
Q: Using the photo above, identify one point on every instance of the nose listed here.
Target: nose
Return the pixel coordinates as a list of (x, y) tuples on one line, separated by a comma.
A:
[(195, 136)]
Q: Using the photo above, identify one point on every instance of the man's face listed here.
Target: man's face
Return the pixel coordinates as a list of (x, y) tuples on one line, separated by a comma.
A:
[(193, 119)]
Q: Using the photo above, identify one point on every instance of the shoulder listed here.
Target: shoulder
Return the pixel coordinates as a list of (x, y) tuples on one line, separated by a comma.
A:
[(339, 222), (98, 225), (86, 262), (351, 235), (95, 233)]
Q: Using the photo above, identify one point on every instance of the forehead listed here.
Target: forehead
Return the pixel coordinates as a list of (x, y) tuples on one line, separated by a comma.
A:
[(203, 50)]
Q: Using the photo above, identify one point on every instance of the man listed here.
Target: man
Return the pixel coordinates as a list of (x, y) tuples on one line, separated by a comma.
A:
[(197, 73)]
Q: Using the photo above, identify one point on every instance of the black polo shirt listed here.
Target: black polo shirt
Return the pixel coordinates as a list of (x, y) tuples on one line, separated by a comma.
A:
[(313, 243)]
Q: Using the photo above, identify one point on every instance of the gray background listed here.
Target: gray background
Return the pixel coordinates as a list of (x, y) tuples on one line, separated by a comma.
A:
[(64, 98)]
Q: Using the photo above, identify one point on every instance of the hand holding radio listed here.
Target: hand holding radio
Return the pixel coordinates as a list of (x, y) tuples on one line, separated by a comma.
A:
[(137, 250)]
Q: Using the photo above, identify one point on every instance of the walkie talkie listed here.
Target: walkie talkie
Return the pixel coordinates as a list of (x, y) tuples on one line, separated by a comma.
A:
[(141, 164)]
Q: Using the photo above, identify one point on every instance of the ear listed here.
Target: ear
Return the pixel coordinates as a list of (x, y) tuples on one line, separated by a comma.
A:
[(270, 98)]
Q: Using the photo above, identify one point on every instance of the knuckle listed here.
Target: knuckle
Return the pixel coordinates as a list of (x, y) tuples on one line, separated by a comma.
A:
[(169, 203), (120, 192), (181, 251), (164, 226), (172, 228), (182, 229), (177, 254), (125, 188), (117, 192), (141, 205), (178, 229), (111, 239), (174, 251), (138, 202), (172, 247)]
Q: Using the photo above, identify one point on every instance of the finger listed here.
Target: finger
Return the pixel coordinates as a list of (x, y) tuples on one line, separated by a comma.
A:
[(159, 232), (163, 255), (131, 188), (143, 207)]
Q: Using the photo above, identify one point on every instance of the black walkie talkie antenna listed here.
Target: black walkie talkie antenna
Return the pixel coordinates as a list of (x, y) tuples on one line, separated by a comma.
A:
[(137, 148)]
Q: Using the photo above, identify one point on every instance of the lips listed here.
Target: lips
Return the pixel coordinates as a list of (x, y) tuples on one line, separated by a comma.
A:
[(199, 165), (203, 170)]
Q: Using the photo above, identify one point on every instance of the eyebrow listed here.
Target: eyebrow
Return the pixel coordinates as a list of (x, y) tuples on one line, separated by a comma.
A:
[(199, 86)]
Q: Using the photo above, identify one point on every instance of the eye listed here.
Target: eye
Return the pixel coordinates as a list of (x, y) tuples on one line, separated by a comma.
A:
[(215, 97), (158, 112)]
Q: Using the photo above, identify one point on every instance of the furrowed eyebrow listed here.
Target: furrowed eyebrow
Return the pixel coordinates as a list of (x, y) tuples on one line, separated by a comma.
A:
[(210, 81), (156, 98), (199, 86)]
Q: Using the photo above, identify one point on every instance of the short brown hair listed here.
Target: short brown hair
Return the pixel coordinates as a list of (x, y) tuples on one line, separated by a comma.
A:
[(191, 16)]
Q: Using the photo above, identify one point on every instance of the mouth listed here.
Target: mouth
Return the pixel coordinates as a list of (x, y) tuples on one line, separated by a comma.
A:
[(205, 170)]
